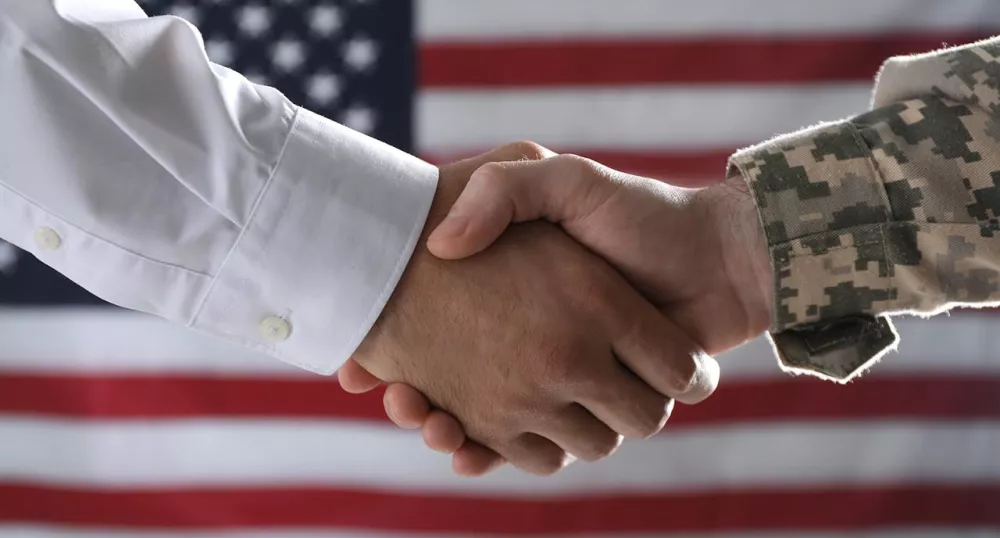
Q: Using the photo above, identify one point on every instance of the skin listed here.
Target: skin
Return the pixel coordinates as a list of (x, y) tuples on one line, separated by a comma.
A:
[(698, 255), (540, 349)]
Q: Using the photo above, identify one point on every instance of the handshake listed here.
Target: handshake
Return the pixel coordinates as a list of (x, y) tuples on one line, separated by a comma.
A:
[(554, 306)]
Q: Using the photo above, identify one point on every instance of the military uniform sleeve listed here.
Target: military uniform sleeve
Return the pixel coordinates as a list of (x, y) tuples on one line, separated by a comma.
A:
[(894, 211)]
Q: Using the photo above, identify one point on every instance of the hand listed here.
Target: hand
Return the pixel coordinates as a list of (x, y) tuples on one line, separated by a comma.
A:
[(537, 347), (699, 255)]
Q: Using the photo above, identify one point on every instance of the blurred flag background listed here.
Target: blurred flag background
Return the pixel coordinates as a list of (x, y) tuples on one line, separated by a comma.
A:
[(114, 424)]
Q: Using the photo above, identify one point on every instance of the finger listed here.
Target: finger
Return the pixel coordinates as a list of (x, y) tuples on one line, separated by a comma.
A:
[(355, 379), (443, 433), (535, 454), (473, 459), (498, 194), (515, 151), (627, 404), (579, 433), (406, 406), (662, 355)]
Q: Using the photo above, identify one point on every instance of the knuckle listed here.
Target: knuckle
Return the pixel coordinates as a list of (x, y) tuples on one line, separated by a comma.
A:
[(694, 374), (651, 422), (703, 381), (527, 150), (492, 177), (647, 418), (537, 455), (549, 464), (601, 446), (492, 429), (684, 376), (574, 163), (491, 171), (638, 416), (577, 165)]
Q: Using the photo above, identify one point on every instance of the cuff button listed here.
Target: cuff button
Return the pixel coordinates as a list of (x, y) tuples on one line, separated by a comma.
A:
[(275, 329), (47, 239)]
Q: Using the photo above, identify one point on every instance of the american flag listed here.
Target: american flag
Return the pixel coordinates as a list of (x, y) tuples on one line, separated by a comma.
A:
[(113, 424)]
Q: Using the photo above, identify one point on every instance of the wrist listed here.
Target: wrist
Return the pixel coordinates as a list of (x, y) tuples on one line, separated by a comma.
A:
[(451, 181), (745, 254)]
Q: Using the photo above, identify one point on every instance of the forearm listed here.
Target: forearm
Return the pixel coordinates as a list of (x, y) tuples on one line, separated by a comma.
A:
[(889, 212), (167, 184)]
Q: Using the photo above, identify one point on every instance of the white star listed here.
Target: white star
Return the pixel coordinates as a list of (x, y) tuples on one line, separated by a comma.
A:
[(288, 55), (361, 119), (186, 12), (324, 20), (220, 51), (254, 20), (323, 88), (8, 257), (361, 53)]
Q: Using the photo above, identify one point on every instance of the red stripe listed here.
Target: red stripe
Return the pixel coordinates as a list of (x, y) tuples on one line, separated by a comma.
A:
[(924, 398), (719, 60), (813, 509), (678, 167), (171, 396), (130, 397)]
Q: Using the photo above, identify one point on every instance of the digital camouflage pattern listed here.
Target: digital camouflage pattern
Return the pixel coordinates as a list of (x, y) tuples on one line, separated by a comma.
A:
[(896, 210)]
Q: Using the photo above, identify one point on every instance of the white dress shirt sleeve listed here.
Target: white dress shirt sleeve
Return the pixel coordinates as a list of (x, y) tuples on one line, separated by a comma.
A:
[(166, 184)]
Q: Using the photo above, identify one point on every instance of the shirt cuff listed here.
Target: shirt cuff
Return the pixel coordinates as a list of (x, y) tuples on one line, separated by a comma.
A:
[(324, 248), (826, 217)]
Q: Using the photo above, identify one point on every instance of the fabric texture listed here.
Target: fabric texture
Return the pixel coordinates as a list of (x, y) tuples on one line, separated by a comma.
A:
[(889, 212), (165, 183)]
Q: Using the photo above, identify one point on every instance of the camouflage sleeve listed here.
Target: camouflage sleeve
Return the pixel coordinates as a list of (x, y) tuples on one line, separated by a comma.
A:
[(893, 211)]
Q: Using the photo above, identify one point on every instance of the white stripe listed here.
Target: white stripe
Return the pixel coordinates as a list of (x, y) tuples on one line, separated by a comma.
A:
[(656, 118), (489, 20), (259, 453), (115, 341), (68, 340), (17, 531)]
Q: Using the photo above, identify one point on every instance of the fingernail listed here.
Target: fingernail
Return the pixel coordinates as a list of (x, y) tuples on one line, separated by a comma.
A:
[(452, 226)]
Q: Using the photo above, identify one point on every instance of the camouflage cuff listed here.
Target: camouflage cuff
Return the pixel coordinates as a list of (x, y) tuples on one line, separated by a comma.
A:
[(823, 206)]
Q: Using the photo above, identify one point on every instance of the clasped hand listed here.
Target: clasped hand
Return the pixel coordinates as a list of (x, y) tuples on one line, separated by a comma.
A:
[(552, 340)]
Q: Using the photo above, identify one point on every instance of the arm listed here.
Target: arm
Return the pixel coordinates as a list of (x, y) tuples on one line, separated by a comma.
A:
[(893, 211), (166, 184)]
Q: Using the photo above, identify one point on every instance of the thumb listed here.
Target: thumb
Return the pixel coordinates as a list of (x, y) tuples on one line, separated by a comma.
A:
[(499, 194)]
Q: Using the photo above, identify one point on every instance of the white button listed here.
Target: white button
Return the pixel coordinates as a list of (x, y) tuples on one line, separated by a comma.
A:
[(47, 239), (275, 329)]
